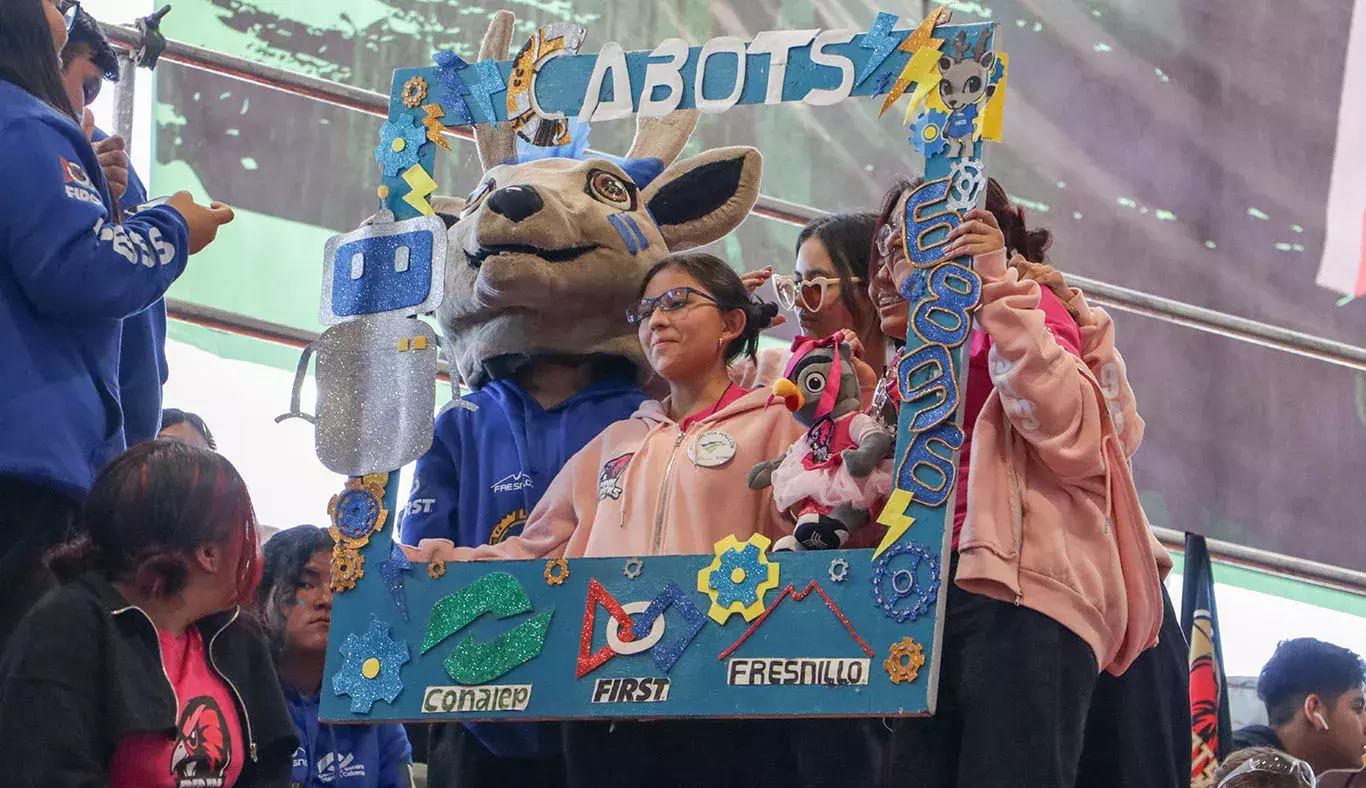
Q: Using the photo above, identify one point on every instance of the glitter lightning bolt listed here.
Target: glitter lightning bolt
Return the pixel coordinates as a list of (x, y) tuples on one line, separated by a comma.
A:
[(879, 39), (895, 518), (434, 125), (925, 54), (421, 187)]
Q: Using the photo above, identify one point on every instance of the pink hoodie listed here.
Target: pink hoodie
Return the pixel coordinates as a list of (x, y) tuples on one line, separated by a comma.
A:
[(1054, 521), (645, 487)]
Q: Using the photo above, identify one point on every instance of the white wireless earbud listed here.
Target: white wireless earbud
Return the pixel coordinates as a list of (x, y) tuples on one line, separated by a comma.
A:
[(1318, 715)]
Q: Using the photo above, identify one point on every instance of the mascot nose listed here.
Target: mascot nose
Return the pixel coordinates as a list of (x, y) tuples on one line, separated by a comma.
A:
[(515, 202)]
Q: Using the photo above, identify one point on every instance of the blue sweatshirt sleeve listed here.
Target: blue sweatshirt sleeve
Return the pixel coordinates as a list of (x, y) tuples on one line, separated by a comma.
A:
[(69, 258), (395, 756), (433, 503)]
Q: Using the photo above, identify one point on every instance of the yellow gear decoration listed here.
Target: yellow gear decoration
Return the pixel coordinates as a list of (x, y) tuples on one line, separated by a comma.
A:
[(905, 661), (738, 577), (348, 566), (556, 571), (436, 569)]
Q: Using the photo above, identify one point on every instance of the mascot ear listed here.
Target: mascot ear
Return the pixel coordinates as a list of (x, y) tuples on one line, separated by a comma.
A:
[(702, 198)]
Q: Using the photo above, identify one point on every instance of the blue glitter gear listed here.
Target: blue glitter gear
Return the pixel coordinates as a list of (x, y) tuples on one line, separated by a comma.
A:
[(351, 679), (357, 513), (927, 133), (746, 591), (888, 595), (414, 136), (738, 577)]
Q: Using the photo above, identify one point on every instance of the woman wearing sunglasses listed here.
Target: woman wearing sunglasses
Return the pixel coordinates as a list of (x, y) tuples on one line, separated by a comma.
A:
[(669, 481), (827, 293), (1055, 575)]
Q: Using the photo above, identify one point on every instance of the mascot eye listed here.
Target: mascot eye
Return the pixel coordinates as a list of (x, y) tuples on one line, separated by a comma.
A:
[(973, 85), (610, 189), (477, 196), (946, 87), (815, 382)]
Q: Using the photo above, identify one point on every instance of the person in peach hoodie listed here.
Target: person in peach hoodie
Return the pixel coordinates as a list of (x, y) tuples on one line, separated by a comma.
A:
[(1055, 575), (669, 481)]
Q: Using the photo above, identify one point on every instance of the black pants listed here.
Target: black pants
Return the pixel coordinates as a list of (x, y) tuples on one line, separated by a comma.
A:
[(457, 759), (1138, 734), (680, 754), (1014, 691), (33, 519)]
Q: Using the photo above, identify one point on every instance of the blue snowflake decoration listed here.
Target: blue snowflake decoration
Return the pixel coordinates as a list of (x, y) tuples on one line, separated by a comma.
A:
[(927, 133), (919, 582), (453, 88), (371, 669), (746, 592), (414, 136), (357, 513)]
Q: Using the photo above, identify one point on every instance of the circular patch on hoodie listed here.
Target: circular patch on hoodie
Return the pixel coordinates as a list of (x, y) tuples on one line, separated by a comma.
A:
[(711, 449)]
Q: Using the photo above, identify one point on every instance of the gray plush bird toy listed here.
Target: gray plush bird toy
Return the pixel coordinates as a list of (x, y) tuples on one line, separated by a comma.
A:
[(841, 469)]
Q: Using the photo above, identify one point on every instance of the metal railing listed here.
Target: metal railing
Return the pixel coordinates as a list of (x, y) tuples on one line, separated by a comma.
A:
[(1132, 301), (1098, 292)]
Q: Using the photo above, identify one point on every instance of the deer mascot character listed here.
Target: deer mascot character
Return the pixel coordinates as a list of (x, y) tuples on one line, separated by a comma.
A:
[(544, 257)]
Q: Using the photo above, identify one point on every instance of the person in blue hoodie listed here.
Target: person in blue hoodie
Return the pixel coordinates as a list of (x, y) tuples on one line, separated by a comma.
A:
[(87, 62), (70, 273), (487, 468), (295, 604)]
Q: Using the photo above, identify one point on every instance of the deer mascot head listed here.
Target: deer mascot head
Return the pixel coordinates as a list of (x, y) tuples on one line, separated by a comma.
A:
[(546, 253)]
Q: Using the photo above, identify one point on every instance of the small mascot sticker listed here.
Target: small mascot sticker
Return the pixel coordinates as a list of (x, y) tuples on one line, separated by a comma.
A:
[(609, 480)]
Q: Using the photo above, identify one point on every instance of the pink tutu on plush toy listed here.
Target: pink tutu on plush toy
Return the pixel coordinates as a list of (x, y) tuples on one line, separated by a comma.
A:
[(804, 474)]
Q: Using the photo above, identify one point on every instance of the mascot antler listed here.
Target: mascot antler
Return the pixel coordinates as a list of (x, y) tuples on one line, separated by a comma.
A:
[(497, 143)]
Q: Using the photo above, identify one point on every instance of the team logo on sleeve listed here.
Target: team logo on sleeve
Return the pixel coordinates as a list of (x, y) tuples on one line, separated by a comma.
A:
[(78, 183), (609, 479), (203, 747), (509, 526)]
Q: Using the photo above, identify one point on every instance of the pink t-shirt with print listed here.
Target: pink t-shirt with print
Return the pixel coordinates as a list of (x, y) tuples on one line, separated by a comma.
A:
[(207, 749)]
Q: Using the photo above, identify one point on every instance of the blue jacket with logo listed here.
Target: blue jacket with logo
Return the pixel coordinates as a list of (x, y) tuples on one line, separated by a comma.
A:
[(68, 279), (142, 356), (486, 471), (351, 756)]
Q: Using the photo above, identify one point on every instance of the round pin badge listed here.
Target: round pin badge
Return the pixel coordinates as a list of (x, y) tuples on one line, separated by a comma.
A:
[(711, 449)]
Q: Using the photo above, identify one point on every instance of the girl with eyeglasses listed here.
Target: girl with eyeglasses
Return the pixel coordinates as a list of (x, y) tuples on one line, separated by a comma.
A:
[(669, 481), (70, 273), (1054, 575)]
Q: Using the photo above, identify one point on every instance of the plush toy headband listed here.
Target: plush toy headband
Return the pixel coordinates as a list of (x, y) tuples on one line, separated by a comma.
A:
[(801, 346)]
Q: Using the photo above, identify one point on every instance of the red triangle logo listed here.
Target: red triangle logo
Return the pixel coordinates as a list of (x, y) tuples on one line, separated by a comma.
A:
[(589, 660)]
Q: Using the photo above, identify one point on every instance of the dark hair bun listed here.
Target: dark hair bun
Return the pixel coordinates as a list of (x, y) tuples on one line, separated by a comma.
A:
[(760, 315)]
